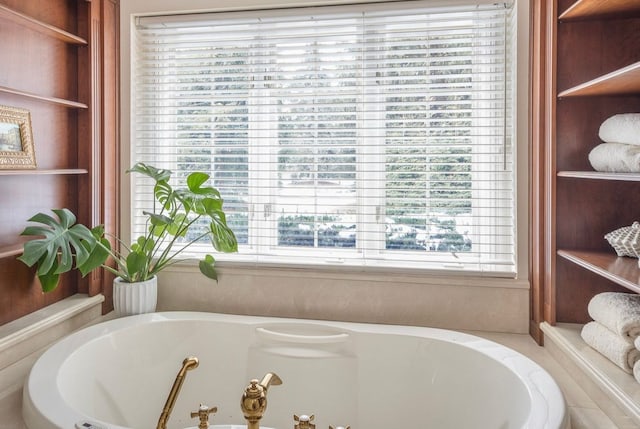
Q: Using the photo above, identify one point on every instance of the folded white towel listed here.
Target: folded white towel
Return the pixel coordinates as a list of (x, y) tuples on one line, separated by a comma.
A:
[(618, 311), (619, 350), (622, 128), (615, 158)]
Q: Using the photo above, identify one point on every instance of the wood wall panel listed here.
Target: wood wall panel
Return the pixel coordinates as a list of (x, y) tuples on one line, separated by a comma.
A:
[(21, 292), (588, 209), (45, 192), (579, 119), (575, 288), (111, 149), (60, 13), (541, 183), (35, 62), (51, 124)]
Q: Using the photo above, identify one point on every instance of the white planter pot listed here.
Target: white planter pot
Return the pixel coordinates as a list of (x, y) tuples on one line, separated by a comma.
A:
[(135, 298)]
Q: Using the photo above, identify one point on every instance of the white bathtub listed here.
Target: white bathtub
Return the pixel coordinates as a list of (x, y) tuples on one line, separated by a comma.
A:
[(117, 374)]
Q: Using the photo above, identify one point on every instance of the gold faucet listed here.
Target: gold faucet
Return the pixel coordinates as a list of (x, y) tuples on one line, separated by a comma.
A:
[(189, 363), (254, 399)]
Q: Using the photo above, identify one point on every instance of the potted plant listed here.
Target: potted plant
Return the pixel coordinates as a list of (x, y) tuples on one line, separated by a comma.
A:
[(65, 245)]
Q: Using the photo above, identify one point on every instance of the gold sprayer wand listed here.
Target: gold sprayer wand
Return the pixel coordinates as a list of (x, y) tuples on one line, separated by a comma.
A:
[(189, 363)]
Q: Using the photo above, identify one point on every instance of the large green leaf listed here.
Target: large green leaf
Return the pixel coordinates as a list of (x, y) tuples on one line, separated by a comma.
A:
[(136, 266), (99, 254), (158, 219), (143, 244), (195, 193), (162, 190), (196, 180), (176, 228), (64, 244), (61, 239), (49, 281), (222, 237), (157, 174), (166, 196), (162, 224), (207, 267)]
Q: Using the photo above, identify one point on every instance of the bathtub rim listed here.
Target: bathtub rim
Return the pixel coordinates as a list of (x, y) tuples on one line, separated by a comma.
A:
[(548, 404)]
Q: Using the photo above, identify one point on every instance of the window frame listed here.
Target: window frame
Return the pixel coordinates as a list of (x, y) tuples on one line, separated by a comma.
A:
[(519, 194)]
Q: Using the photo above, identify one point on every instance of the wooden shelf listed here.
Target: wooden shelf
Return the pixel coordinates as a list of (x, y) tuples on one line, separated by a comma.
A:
[(54, 100), (12, 250), (623, 81), (584, 9), (619, 269), (597, 175), (67, 171), (42, 27)]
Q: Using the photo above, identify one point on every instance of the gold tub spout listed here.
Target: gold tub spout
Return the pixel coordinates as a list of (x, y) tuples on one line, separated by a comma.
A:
[(254, 399), (189, 363)]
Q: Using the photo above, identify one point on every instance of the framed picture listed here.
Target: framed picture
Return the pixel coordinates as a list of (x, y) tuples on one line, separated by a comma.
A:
[(16, 139)]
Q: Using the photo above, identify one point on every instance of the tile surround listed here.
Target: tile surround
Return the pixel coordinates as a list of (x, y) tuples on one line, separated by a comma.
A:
[(459, 303)]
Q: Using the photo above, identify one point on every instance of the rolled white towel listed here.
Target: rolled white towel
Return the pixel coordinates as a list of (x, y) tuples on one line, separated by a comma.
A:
[(621, 128), (619, 350), (618, 311), (615, 158)]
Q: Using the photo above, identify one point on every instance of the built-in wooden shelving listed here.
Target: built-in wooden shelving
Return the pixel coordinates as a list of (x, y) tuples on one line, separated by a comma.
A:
[(13, 250), (619, 269), (54, 100), (623, 81), (585, 9), (61, 171), (61, 64), (42, 27), (597, 175), (579, 211)]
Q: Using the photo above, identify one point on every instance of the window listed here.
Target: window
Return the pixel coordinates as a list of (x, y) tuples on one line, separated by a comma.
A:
[(371, 135)]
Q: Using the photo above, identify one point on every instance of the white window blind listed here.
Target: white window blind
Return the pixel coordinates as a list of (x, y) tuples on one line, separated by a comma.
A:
[(373, 135)]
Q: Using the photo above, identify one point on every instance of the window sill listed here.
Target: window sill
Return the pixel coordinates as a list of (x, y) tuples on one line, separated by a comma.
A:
[(370, 274)]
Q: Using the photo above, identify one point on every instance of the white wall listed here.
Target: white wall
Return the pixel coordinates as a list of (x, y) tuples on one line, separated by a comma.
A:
[(453, 302)]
